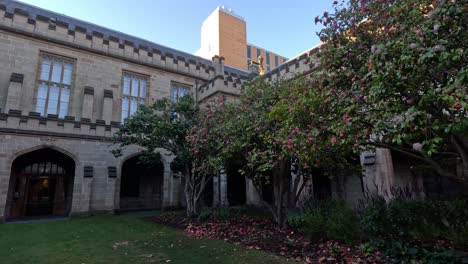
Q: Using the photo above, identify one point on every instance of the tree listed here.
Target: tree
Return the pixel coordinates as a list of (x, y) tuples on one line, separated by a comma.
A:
[(259, 128), (206, 140), (168, 125), (393, 74)]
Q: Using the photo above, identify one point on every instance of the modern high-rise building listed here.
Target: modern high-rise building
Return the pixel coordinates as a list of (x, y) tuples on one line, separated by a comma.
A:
[(224, 33)]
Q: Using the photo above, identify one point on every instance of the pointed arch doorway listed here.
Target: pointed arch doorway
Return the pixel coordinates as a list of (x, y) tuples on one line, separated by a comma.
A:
[(41, 185)]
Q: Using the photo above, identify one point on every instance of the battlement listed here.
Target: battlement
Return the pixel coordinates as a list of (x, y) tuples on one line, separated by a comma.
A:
[(302, 64), (69, 127), (227, 85), (22, 19)]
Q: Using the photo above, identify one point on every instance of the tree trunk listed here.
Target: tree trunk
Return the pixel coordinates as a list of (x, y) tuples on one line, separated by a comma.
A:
[(190, 196), (282, 192)]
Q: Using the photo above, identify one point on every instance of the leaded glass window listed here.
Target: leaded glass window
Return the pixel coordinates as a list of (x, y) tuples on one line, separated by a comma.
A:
[(134, 93), (54, 85)]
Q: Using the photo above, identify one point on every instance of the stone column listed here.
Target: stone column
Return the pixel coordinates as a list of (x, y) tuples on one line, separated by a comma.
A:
[(82, 188), (111, 188), (167, 186), (379, 175), (4, 178), (216, 191), (88, 102), (107, 106), (220, 192), (252, 196), (223, 189), (15, 86), (306, 192)]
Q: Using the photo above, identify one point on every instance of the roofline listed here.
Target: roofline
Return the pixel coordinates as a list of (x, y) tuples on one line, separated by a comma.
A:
[(11, 5)]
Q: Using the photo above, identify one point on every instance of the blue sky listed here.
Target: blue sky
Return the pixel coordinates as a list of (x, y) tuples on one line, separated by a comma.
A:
[(284, 27)]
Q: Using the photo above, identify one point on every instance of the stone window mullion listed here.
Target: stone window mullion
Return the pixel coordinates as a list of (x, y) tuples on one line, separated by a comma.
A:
[(49, 83), (132, 96)]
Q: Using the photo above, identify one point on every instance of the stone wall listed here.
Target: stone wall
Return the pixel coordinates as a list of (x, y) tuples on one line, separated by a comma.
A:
[(101, 56), (99, 193)]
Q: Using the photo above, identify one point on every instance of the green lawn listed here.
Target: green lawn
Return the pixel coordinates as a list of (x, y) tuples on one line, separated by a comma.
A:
[(90, 240)]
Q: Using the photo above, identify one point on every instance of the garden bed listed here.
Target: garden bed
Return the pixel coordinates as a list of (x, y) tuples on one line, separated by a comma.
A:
[(261, 234)]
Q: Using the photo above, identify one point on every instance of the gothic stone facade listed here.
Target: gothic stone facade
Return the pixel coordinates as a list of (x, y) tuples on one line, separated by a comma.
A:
[(65, 86)]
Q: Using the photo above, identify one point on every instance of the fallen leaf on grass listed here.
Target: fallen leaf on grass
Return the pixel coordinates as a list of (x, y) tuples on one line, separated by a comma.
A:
[(118, 244)]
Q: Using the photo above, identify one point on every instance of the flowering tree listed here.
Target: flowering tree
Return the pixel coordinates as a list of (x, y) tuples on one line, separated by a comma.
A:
[(206, 140), (168, 126), (393, 74), (260, 129)]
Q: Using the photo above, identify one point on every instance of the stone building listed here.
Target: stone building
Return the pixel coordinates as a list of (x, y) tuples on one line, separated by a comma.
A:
[(66, 86)]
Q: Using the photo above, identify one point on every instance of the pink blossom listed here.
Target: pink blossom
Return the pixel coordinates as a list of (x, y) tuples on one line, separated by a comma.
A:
[(417, 146), (439, 48), (346, 118)]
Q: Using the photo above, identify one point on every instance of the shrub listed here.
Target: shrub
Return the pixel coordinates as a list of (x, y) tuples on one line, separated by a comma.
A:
[(313, 224), (342, 224), (326, 220), (406, 219), (397, 251)]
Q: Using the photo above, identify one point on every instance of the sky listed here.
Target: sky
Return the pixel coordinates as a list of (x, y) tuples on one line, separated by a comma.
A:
[(285, 27)]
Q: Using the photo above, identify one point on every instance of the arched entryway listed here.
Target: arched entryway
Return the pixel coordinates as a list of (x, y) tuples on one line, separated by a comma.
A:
[(235, 184), (141, 185), (321, 185), (41, 184)]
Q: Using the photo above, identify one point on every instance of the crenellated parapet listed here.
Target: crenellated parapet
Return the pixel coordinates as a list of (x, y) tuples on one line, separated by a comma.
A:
[(32, 22), (228, 84), (302, 64), (33, 124)]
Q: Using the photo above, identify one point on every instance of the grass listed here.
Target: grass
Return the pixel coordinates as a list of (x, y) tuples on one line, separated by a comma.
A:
[(90, 240)]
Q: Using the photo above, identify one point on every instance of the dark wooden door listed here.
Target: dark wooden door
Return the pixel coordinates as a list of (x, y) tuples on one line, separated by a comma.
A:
[(41, 195)]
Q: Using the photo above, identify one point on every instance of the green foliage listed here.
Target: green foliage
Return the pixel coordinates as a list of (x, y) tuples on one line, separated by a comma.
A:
[(183, 129), (389, 74), (403, 252), (426, 220), (163, 125), (327, 220)]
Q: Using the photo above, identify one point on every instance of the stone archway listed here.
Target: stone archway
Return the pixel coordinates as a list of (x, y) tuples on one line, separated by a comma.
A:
[(41, 184), (236, 185), (141, 185)]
